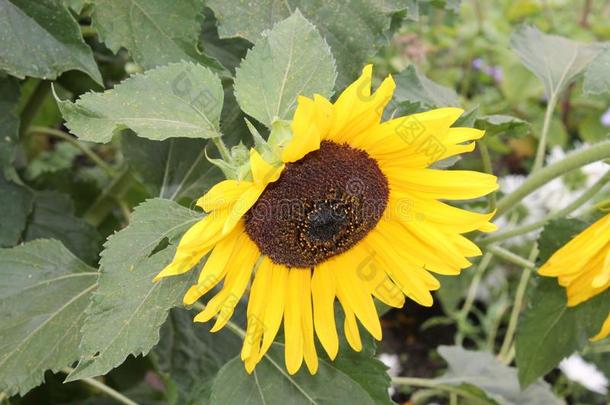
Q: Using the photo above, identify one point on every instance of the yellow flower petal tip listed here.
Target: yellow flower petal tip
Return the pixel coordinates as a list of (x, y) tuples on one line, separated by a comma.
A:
[(253, 233), (582, 267)]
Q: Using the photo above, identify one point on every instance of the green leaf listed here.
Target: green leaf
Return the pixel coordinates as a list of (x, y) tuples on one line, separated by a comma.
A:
[(128, 309), (412, 87), (16, 203), (9, 123), (177, 100), (556, 234), (191, 356), (76, 5), (597, 79), (498, 381), (354, 29), (366, 370), (228, 51), (502, 124), (548, 329), (556, 60), (173, 168), (290, 60), (42, 39), (270, 383), (44, 291), (53, 217), (50, 161), (156, 32)]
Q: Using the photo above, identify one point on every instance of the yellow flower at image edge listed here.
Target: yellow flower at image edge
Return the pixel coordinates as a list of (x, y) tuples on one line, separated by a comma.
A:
[(354, 212), (582, 266)]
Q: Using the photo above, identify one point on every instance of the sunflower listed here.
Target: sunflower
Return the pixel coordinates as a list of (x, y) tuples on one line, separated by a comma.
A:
[(348, 209), (582, 266)]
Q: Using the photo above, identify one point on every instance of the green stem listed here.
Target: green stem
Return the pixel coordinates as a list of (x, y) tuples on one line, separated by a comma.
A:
[(571, 162), (488, 168), (106, 200), (541, 151), (30, 109), (517, 306), (104, 388), (472, 292), (427, 383), (222, 149), (577, 203), (511, 257), (87, 31), (84, 148)]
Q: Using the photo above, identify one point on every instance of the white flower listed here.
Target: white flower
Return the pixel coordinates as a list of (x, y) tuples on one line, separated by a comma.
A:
[(554, 195), (585, 374), (392, 362)]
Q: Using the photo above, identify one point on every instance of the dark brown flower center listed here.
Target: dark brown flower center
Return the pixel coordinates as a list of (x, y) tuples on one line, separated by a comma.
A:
[(321, 206)]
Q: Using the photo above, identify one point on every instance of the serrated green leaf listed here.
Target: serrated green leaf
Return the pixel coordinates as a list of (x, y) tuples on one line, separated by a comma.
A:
[(412, 87), (502, 124), (370, 373), (290, 60), (128, 309), (497, 380), (53, 217), (354, 29), (191, 356), (177, 100), (556, 60), (597, 79), (228, 51), (44, 291), (548, 330), (556, 234), (46, 29), (155, 32), (9, 123), (270, 383), (16, 203), (173, 168)]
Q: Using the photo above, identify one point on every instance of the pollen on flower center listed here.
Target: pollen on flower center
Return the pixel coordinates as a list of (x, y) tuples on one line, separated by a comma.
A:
[(321, 206)]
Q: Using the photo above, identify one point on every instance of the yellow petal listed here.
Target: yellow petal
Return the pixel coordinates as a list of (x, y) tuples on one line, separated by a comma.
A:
[(263, 173), (223, 194), (356, 293), (309, 347), (414, 281), (410, 208), (241, 206), (356, 109), (323, 294), (379, 284), (307, 128), (441, 184), (215, 267), (409, 138), (195, 244), (276, 303), (604, 331), (222, 304), (350, 327), (293, 334), (256, 309)]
